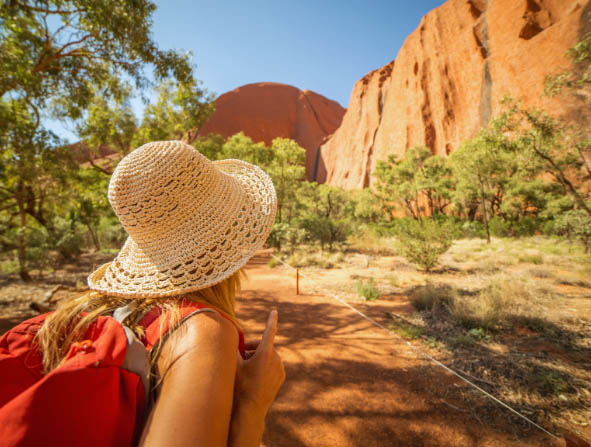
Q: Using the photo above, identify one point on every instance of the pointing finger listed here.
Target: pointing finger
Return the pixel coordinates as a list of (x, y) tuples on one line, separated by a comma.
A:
[(270, 331)]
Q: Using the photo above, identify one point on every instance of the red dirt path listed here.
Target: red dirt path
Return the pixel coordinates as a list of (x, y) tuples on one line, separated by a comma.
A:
[(350, 383)]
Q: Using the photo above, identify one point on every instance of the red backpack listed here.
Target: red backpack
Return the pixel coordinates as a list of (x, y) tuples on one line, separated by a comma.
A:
[(97, 396)]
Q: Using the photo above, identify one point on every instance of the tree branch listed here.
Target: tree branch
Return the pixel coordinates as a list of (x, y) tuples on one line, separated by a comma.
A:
[(561, 177), (49, 11), (99, 168)]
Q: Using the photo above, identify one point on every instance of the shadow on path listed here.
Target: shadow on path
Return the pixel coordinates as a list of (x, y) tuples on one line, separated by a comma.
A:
[(350, 384)]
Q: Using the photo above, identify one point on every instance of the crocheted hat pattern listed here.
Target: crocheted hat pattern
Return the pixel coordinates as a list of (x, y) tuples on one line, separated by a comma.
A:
[(191, 222)]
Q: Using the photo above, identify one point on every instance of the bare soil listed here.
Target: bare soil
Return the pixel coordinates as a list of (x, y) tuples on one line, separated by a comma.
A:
[(349, 383)]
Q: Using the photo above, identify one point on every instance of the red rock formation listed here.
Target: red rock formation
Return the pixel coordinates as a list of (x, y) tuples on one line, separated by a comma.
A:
[(449, 77), (269, 110)]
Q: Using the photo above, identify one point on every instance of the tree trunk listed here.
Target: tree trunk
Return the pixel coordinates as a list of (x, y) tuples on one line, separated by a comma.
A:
[(431, 205), (94, 237), (484, 213), (22, 249)]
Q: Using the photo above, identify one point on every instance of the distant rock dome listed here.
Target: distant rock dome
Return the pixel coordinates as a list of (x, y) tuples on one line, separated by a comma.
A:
[(268, 110)]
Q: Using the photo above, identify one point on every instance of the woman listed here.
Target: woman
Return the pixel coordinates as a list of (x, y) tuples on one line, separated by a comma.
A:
[(192, 225)]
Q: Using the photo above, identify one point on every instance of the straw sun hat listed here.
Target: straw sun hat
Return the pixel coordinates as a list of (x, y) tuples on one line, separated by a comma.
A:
[(191, 222)]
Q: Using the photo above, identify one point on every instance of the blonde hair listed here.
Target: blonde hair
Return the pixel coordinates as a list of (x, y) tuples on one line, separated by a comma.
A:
[(70, 321)]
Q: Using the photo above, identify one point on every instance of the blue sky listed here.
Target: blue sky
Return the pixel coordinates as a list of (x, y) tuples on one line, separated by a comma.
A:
[(320, 45)]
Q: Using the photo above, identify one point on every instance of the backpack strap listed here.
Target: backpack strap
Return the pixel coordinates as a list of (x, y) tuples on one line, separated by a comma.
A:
[(136, 358), (158, 329)]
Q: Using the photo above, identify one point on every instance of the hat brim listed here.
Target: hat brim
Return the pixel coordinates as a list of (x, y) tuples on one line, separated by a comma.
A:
[(207, 248)]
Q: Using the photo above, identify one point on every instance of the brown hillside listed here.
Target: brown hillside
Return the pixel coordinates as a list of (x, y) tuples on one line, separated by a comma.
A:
[(449, 78), (268, 110)]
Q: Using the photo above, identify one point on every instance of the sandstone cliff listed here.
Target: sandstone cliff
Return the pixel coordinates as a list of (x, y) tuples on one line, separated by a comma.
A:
[(448, 79), (268, 110)]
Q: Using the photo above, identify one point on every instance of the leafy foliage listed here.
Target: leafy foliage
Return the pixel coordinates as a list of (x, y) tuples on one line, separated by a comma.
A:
[(418, 176), (367, 290), (71, 60), (424, 242)]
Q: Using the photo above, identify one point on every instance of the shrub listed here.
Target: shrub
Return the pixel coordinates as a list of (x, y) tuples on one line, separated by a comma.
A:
[(473, 229), (111, 233), (525, 226), (284, 234), (432, 297), (488, 307), (575, 223), (325, 230), (69, 238), (367, 290), (531, 259), (500, 227), (424, 242)]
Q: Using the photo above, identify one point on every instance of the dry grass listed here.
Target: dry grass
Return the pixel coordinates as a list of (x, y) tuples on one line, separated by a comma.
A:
[(369, 243), (515, 312), (579, 279), (500, 303), (433, 297), (540, 273), (310, 257), (405, 279), (531, 259)]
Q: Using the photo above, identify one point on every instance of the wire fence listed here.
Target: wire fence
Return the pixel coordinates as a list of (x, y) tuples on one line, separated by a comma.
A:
[(421, 352)]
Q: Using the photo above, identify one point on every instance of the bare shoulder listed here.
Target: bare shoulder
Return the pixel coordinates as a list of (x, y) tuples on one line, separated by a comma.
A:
[(197, 367), (206, 333)]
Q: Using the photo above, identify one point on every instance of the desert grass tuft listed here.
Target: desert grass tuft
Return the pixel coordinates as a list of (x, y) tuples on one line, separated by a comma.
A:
[(540, 273), (367, 290), (432, 297), (372, 244), (578, 279), (324, 260), (531, 259)]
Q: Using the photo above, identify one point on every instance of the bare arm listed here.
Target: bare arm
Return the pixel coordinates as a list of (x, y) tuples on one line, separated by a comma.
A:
[(194, 405), (257, 381), (210, 396)]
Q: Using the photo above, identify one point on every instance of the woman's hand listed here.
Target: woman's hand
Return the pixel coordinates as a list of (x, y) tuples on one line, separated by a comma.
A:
[(258, 380)]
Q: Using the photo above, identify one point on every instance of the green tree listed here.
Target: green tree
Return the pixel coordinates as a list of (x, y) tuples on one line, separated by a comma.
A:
[(576, 223), (565, 150), (287, 170), (423, 242), (436, 183), (179, 110), (398, 180), (561, 154), (366, 205), (417, 178), (178, 113), (33, 181), (210, 145), (55, 56), (483, 168), (110, 123), (578, 77), (241, 147)]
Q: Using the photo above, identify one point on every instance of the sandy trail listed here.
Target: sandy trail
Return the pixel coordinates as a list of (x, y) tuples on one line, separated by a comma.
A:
[(351, 384)]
